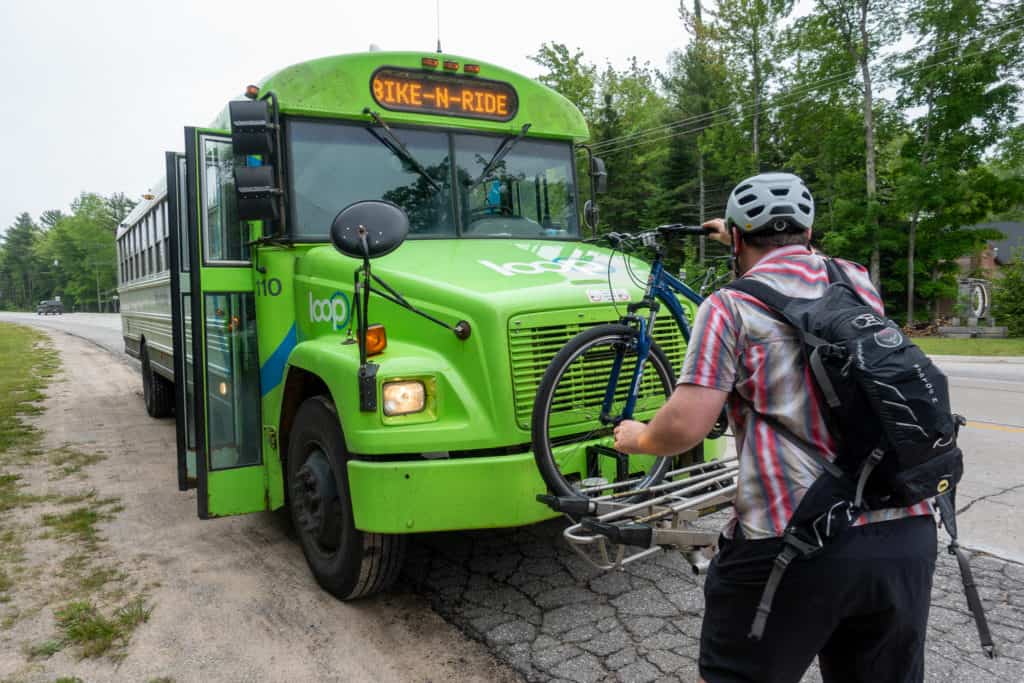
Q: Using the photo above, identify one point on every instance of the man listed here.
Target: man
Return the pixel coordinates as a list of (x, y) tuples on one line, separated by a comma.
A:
[(861, 605)]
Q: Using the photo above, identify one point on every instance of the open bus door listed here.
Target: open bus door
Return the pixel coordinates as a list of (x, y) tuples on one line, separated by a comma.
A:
[(216, 365)]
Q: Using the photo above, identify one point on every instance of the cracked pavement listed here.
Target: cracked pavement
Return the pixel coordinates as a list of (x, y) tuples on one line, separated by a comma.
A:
[(552, 617)]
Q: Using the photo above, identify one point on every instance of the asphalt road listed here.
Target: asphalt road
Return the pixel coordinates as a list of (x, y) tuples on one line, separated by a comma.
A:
[(990, 394), (552, 617), (102, 329)]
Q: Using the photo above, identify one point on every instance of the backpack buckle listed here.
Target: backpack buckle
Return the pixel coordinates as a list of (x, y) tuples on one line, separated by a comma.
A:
[(806, 548), (834, 521)]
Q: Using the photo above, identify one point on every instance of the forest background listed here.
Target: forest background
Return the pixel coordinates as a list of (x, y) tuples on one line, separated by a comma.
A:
[(904, 117)]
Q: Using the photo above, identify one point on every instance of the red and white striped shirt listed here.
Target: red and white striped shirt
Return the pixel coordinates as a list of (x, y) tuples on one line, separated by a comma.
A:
[(738, 345)]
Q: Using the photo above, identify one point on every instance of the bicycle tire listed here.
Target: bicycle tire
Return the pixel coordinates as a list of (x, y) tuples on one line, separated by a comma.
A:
[(543, 451)]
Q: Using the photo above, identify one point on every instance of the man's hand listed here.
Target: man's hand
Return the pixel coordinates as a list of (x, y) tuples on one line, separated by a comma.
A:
[(721, 233), (678, 426), (627, 436)]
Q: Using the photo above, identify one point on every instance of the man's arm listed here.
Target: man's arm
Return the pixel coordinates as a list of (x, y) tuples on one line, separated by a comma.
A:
[(678, 426)]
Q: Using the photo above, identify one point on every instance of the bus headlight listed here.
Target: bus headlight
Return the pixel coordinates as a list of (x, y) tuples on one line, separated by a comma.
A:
[(403, 398)]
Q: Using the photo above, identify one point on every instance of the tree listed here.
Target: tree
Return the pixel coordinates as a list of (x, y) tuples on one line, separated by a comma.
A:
[(82, 246), (1008, 297), (21, 265), (569, 74), (696, 86), (959, 74), (631, 104), (862, 27), (746, 31)]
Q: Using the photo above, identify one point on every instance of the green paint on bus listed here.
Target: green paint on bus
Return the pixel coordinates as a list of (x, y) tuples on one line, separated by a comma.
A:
[(273, 319)]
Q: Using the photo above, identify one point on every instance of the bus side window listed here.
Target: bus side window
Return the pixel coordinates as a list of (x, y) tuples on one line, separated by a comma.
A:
[(225, 236)]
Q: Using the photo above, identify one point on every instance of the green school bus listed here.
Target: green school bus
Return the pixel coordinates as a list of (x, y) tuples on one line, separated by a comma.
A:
[(375, 405)]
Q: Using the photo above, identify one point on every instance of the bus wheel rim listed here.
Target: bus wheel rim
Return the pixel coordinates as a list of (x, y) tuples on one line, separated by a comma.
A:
[(315, 493)]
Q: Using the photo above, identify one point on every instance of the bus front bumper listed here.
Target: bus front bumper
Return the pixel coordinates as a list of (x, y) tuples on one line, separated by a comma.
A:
[(448, 494), (443, 495)]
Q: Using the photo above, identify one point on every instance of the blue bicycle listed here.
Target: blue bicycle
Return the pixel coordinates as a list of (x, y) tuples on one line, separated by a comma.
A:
[(603, 376)]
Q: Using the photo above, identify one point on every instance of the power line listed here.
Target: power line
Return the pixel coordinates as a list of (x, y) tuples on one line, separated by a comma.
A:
[(741, 115), (605, 146)]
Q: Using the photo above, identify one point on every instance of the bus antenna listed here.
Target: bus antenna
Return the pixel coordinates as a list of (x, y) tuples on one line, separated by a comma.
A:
[(437, 14)]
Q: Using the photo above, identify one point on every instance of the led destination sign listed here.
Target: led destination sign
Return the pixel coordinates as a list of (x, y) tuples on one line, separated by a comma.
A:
[(436, 93)]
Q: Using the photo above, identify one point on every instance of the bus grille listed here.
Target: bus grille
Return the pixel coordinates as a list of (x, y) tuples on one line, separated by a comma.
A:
[(531, 349)]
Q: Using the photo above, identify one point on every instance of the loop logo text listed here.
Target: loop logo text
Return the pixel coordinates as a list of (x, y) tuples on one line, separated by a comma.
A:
[(558, 265), (334, 310)]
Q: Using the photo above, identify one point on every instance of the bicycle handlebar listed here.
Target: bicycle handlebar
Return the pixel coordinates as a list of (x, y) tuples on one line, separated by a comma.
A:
[(662, 231), (675, 229)]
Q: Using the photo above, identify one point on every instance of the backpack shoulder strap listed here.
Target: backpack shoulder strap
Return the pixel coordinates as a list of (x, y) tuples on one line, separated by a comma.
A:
[(767, 295), (836, 273)]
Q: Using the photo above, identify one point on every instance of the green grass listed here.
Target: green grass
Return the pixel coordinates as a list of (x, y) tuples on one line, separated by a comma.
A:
[(88, 589), (971, 347), (85, 627), (80, 523), (68, 461), (47, 648), (27, 362)]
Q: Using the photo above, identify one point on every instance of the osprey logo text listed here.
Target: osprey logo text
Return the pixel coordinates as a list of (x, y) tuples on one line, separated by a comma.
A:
[(334, 310), (866, 320), (929, 387)]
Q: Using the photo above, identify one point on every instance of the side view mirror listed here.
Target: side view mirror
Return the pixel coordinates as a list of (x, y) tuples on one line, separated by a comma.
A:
[(254, 141), (599, 175), (251, 128), (369, 229), (591, 215), (257, 193)]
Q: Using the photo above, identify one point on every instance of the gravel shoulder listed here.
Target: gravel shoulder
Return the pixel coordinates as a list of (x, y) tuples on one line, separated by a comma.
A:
[(232, 598)]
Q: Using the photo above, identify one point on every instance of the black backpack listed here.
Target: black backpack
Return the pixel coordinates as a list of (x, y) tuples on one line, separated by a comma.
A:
[(887, 408)]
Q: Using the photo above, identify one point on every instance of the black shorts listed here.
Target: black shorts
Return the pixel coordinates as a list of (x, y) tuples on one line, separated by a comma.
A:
[(861, 606)]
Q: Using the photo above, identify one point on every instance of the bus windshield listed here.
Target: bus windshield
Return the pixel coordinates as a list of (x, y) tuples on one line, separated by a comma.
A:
[(528, 192)]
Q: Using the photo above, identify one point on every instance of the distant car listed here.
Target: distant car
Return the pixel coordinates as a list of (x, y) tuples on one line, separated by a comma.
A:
[(48, 307)]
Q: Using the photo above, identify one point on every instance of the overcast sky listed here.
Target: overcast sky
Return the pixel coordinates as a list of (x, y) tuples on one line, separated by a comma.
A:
[(97, 90)]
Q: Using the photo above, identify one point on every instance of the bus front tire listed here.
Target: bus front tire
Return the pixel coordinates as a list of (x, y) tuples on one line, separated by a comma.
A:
[(157, 390), (346, 562)]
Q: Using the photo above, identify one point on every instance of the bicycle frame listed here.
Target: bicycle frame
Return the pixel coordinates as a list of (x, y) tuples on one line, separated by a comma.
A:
[(661, 290)]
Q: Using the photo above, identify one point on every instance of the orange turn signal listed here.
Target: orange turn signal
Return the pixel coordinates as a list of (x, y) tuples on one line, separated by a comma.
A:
[(376, 339), (252, 91)]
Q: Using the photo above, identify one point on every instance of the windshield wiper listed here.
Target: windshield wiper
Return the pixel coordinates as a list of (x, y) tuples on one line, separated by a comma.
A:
[(398, 149), (503, 149)]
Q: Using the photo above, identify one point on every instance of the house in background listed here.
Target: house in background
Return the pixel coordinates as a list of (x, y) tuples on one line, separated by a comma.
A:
[(979, 270), (1005, 249)]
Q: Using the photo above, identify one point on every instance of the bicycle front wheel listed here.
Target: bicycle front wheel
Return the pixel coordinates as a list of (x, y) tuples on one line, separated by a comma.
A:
[(572, 433)]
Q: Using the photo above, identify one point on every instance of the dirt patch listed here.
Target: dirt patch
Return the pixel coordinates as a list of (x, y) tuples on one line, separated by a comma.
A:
[(228, 599)]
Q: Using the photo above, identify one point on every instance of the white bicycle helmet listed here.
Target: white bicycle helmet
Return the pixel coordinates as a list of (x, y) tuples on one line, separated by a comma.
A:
[(770, 201)]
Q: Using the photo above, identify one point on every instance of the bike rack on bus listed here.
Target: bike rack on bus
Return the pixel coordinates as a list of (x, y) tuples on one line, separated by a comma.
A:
[(611, 533)]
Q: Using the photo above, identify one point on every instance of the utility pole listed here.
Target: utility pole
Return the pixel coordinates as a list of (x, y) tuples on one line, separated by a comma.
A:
[(702, 240)]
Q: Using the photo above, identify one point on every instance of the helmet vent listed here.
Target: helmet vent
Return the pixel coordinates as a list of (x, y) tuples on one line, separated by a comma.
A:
[(804, 208), (780, 191), (743, 201), (756, 211), (806, 195), (782, 210), (743, 188)]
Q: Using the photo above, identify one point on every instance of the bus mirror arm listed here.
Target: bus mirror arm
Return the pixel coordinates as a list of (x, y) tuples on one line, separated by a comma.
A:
[(461, 329)]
